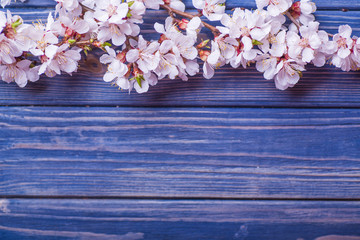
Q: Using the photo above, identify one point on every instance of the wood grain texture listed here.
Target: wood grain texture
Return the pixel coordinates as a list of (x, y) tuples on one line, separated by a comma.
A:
[(187, 153), (230, 87), (78, 173), (178, 220), (321, 4)]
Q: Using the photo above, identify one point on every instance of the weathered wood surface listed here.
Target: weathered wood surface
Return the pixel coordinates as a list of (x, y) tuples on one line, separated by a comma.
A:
[(230, 87), (207, 153), (101, 172), (178, 220)]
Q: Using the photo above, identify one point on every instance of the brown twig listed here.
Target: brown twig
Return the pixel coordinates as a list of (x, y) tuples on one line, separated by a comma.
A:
[(288, 14), (171, 11), (85, 8), (297, 24)]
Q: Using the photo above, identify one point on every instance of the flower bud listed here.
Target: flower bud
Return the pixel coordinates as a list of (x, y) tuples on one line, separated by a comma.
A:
[(204, 54), (121, 56), (69, 32), (183, 24), (295, 10), (162, 38), (203, 43)]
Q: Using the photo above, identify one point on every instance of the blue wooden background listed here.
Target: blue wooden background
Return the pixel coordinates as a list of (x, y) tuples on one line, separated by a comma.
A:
[(226, 158)]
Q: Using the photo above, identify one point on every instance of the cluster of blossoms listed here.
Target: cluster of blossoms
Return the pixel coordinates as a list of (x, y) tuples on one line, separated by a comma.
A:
[(261, 37)]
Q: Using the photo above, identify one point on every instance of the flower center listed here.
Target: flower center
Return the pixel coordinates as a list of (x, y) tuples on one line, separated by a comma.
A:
[(274, 2), (111, 10), (304, 42), (209, 8), (342, 42), (114, 29), (11, 72), (245, 31), (61, 59), (42, 44), (5, 47), (272, 39)]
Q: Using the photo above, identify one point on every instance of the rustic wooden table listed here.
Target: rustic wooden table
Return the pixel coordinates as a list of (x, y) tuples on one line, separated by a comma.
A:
[(226, 158)]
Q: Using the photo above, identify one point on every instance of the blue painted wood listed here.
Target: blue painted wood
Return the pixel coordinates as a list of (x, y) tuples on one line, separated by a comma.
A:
[(178, 220), (225, 153), (230, 87), (176, 152)]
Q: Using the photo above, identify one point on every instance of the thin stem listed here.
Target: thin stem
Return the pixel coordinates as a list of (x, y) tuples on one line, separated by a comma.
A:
[(86, 9), (190, 16), (297, 24), (288, 14)]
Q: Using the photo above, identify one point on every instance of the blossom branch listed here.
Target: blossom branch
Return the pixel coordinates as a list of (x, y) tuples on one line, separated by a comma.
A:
[(245, 37)]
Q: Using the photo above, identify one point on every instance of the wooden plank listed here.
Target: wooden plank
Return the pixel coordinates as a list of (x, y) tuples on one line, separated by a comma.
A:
[(239, 87), (321, 4), (153, 220), (192, 153)]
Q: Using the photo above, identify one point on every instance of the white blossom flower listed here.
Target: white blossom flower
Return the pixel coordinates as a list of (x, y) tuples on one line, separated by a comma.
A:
[(4, 3), (285, 72), (144, 55), (168, 29), (113, 11), (356, 55), (88, 3), (114, 32), (18, 32), (116, 68), (222, 48), (69, 5), (8, 50), (289, 73), (304, 47), (193, 27), (3, 21), (20, 72), (267, 64), (136, 11), (152, 4), (215, 59), (278, 44), (57, 59), (144, 81), (115, 20), (342, 58), (176, 4), (65, 26), (183, 47), (274, 7), (246, 23), (168, 61), (303, 11), (43, 37), (192, 68), (212, 9)]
